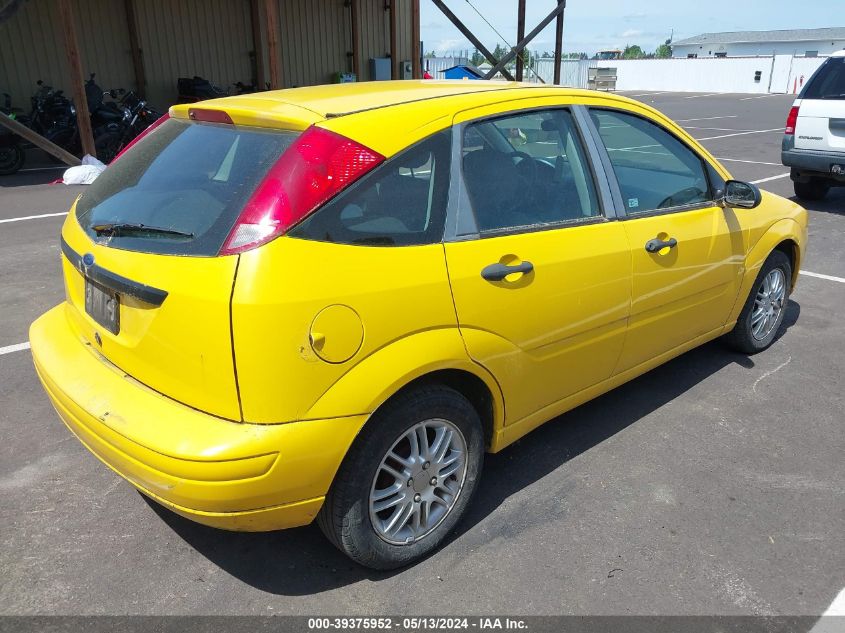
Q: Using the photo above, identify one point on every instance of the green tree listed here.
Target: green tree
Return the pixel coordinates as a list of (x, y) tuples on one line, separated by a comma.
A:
[(477, 58), (664, 50), (633, 52)]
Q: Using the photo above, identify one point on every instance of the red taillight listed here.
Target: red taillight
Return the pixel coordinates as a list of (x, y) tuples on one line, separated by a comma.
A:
[(791, 120), (313, 169), (154, 125)]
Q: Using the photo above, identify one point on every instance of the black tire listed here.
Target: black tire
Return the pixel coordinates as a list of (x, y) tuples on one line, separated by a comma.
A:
[(815, 189), (742, 338), (107, 146), (11, 159), (345, 516)]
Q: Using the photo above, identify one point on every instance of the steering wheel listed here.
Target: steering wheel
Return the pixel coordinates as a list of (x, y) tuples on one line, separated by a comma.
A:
[(683, 196), (530, 173)]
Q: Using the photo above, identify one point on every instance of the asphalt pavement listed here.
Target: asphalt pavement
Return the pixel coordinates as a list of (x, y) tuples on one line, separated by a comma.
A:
[(711, 485)]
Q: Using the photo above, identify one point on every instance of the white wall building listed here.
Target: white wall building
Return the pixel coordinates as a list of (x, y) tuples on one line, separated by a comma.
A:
[(806, 42)]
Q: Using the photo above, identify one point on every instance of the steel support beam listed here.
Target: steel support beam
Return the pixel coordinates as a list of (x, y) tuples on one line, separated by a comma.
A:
[(471, 37), (521, 44), (558, 47), (520, 34)]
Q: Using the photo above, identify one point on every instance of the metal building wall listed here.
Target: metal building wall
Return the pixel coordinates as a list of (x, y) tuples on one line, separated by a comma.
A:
[(33, 47), (183, 38), (211, 38), (314, 40), (375, 32)]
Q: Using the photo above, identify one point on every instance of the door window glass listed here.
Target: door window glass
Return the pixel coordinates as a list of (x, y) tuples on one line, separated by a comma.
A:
[(653, 168), (527, 170)]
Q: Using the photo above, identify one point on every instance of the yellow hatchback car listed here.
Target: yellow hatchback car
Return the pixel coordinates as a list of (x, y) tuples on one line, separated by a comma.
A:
[(329, 302)]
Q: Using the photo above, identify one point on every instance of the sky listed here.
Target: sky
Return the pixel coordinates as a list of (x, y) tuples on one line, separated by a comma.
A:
[(592, 25)]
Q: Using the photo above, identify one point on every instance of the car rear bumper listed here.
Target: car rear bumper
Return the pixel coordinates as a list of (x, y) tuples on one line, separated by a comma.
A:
[(231, 475), (817, 162)]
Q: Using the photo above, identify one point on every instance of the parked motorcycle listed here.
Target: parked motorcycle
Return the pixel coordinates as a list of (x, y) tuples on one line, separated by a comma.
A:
[(135, 116), (53, 116), (12, 154), (193, 89)]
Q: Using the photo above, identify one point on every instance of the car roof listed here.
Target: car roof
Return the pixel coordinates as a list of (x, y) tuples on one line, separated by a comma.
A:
[(385, 115)]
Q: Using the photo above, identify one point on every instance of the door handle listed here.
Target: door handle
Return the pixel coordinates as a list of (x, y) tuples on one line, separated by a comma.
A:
[(497, 272), (655, 245)]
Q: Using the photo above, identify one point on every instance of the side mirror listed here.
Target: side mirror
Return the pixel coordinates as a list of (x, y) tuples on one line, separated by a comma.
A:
[(741, 194)]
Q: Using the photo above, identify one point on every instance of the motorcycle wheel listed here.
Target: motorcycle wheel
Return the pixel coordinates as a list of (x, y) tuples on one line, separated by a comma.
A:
[(11, 159), (108, 144)]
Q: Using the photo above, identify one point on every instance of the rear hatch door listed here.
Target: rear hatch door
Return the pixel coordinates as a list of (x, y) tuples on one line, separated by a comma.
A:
[(821, 117), (144, 280)]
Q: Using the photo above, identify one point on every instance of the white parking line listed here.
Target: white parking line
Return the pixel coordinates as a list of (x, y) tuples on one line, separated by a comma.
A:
[(774, 94), (757, 182), (752, 162), (708, 118), (648, 94), (33, 217), (713, 138), (717, 129), (712, 94), (13, 348), (820, 276)]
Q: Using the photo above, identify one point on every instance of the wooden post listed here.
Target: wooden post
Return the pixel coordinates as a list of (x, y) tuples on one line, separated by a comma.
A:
[(416, 54), (36, 139), (255, 17), (135, 47), (394, 62), (520, 33), (558, 47), (83, 117), (356, 41), (271, 11)]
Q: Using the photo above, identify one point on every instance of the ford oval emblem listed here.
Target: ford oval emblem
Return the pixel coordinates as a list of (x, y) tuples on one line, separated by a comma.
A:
[(88, 259)]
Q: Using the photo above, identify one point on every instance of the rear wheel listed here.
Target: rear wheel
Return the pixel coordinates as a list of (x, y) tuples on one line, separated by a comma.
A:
[(107, 145), (815, 189), (11, 158), (407, 480), (763, 312)]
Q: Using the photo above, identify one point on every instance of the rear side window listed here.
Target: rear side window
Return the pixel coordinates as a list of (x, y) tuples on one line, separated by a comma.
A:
[(828, 82), (400, 203), (180, 190)]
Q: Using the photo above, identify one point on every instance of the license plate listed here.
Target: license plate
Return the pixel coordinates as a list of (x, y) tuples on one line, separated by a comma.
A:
[(103, 305)]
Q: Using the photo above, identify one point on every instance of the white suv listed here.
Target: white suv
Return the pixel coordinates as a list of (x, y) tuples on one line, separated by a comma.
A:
[(814, 144)]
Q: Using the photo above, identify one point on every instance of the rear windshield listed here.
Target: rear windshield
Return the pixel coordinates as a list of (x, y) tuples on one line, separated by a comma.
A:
[(828, 82), (180, 190)]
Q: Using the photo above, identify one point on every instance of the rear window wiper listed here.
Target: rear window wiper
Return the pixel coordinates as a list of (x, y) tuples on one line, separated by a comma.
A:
[(126, 228), (841, 96)]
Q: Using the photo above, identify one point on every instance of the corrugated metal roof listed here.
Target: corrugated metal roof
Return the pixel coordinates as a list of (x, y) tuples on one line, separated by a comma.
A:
[(789, 35)]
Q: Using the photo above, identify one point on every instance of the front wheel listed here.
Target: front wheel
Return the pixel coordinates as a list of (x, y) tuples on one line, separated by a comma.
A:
[(407, 480), (12, 157), (763, 312)]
